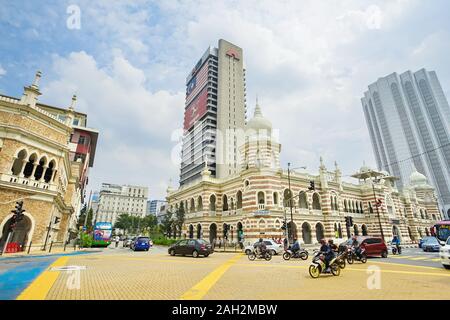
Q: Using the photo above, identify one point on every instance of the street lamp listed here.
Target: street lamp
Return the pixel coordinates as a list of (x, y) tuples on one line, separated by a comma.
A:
[(291, 197), (377, 206)]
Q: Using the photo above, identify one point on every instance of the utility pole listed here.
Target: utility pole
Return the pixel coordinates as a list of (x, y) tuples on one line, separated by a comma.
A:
[(88, 208), (290, 200), (377, 206)]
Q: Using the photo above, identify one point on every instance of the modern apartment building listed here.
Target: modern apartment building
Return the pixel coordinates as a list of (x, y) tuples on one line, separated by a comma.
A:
[(214, 113), (115, 200), (154, 206), (408, 117)]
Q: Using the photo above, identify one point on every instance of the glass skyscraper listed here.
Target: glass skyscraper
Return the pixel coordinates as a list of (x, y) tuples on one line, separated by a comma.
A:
[(408, 117)]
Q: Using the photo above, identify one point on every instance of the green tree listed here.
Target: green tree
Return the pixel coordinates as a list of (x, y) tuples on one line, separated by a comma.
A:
[(179, 219), (166, 224), (124, 222)]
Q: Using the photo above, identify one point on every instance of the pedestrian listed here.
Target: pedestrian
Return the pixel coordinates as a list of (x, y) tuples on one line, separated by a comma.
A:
[(220, 242), (117, 241), (285, 242)]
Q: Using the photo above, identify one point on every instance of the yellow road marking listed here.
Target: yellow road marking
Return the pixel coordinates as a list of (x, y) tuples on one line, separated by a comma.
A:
[(39, 288), (198, 291), (401, 257), (420, 258), (436, 259)]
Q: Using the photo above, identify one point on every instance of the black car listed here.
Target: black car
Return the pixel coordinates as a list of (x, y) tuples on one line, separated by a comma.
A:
[(191, 247)]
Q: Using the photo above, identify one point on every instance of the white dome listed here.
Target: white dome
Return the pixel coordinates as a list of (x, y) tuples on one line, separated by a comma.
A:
[(365, 168), (258, 122), (418, 179)]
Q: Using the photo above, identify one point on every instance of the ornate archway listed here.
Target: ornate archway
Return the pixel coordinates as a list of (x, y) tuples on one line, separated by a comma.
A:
[(22, 233), (319, 232), (212, 232), (306, 233)]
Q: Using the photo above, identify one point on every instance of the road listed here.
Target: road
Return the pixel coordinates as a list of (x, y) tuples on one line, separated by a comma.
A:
[(119, 273)]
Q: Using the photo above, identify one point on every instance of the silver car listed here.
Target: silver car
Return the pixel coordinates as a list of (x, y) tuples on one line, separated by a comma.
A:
[(273, 247)]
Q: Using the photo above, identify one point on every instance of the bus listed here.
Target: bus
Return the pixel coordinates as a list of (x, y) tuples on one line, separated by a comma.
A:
[(441, 230), (102, 234)]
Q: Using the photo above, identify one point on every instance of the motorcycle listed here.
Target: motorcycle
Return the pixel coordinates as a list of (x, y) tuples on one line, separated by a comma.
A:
[(318, 266), (256, 254), (352, 256), (341, 257), (300, 254), (395, 250)]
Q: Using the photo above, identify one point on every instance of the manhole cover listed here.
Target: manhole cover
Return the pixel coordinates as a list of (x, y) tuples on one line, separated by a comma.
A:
[(68, 268)]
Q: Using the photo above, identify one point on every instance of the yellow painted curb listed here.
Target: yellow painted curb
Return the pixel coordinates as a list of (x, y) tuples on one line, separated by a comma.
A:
[(198, 291), (39, 288)]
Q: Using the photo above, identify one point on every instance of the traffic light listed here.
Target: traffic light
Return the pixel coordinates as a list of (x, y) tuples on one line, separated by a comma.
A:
[(349, 221), (312, 186), (283, 227), (17, 214)]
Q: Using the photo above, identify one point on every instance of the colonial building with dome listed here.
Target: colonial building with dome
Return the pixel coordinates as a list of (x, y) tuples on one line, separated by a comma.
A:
[(256, 201)]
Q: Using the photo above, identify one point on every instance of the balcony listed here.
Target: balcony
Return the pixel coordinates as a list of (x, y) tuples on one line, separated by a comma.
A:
[(27, 182)]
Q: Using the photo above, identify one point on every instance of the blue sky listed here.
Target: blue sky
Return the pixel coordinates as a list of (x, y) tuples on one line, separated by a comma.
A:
[(308, 61)]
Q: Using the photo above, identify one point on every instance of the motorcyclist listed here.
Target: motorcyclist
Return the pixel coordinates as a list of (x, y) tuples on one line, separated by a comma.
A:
[(295, 246), (396, 243), (325, 249), (355, 245), (332, 245), (260, 247)]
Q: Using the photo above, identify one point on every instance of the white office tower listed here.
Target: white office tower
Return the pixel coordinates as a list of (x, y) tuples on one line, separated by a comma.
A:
[(408, 117)]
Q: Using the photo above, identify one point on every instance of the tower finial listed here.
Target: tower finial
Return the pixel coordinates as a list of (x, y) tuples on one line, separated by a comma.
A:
[(74, 101), (37, 77)]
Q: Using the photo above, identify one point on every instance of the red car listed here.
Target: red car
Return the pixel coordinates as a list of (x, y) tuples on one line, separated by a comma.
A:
[(373, 246)]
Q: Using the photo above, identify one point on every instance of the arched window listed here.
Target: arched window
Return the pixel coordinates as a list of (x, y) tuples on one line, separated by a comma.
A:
[(306, 233), (39, 172), (49, 172), (239, 199), (316, 202), (319, 232), (275, 198), (364, 230), (192, 206), (18, 163), (421, 214), (261, 198), (224, 203), (370, 208), (345, 205), (302, 200), (200, 203), (262, 224), (336, 205), (212, 203), (287, 195), (355, 230), (29, 167), (232, 203), (336, 232)]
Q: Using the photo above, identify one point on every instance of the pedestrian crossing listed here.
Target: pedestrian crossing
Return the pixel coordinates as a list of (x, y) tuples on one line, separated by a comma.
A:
[(414, 258)]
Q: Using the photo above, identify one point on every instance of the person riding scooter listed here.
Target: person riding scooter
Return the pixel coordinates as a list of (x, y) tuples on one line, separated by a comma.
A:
[(396, 242), (260, 247), (295, 247), (355, 245), (332, 245), (325, 249)]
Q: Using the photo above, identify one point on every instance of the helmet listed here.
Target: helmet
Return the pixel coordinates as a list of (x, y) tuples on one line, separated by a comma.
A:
[(330, 241), (323, 241), (260, 240), (354, 238)]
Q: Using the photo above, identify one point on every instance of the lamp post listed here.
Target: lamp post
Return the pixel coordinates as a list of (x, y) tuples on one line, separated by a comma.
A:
[(377, 206), (291, 197)]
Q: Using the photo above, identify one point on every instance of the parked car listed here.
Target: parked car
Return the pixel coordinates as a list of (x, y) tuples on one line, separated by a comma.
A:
[(373, 246), (431, 244), (444, 254), (421, 241), (127, 242), (140, 243), (191, 247), (273, 247)]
